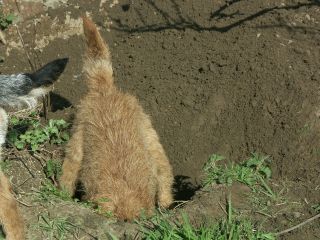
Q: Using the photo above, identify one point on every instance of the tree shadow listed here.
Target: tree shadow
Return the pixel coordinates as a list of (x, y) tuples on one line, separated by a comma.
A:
[(183, 188), (181, 21)]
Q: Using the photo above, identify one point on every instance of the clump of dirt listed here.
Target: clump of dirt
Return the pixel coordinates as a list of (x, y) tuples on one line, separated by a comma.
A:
[(224, 77)]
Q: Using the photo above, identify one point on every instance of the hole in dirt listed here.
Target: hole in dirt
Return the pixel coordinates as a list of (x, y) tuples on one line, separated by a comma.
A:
[(184, 189), (58, 102), (125, 7), (80, 192)]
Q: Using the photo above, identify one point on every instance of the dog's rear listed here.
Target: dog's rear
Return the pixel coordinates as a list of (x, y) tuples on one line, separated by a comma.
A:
[(16, 92), (120, 159), (114, 151)]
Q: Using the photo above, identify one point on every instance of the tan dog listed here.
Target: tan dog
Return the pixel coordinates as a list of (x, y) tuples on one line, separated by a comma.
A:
[(20, 91), (114, 151), (9, 214)]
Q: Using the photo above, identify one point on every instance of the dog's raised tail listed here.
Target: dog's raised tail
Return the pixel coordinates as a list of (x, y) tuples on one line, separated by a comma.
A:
[(96, 46), (97, 63)]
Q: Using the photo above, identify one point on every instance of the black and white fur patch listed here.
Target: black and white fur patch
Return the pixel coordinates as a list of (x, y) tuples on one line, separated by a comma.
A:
[(19, 91)]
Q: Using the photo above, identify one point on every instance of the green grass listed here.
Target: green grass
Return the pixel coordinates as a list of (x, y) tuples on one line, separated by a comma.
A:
[(55, 228), (253, 172), (316, 207), (233, 227), (29, 133), (50, 193), (97, 209), (5, 165)]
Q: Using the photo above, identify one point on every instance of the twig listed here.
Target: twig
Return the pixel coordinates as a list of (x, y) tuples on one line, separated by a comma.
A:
[(136, 236), (24, 182), (299, 225), (82, 229), (264, 214), (180, 203), (24, 204), (45, 109), (24, 164), (2, 38), (224, 210), (25, 50), (39, 158), (17, 5)]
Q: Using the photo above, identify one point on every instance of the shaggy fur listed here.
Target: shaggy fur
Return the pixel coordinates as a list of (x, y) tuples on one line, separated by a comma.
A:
[(114, 152), (16, 92)]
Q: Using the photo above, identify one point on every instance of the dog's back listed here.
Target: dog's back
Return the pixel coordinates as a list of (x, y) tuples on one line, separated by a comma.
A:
[(116, 164)]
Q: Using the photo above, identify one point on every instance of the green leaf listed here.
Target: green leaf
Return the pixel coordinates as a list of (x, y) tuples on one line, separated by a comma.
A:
[(19, 145)]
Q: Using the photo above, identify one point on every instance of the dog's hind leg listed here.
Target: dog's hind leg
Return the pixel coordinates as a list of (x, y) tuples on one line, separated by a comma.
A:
[(9, 214), (72, 162), (163, 168)]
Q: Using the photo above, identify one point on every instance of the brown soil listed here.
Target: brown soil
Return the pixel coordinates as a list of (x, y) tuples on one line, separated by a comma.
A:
[(227, 77)]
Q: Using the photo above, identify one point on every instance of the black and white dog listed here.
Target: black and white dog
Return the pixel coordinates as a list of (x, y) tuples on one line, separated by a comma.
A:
[(20, 91)]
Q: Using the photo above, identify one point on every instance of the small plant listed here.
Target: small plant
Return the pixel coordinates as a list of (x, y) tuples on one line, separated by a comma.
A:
[(316, 207), (6, 20), (53, 170), (29, 133), (55, 228), (231, 228), (96, 208), (4, 165), (253, 172), (48, 192)]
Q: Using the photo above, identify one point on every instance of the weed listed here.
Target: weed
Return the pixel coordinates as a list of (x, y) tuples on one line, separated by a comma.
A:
[(316, 207), (231, 228), (55, 228), (95, 207), (6, 20), (29, 133), (253, 172), (48, 193), (5, 166), (53, 170)]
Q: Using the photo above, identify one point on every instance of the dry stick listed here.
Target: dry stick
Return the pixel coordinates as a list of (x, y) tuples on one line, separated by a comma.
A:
[(21, 184), (136, 236), (24, 204), (45, 99), (82, 229), (45, 109), (222, 208), (25, 50), (17, 5), (180, 203), (299, 225), (19, 157)]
